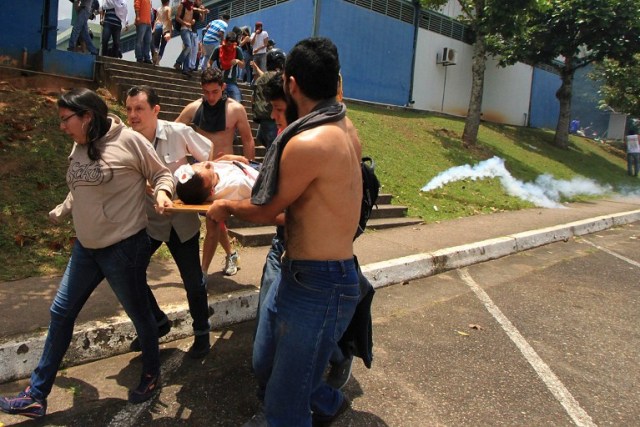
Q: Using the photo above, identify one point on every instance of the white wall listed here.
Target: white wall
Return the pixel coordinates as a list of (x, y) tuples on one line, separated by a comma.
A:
[(171, 52), (451, 9), (617, 124), (506, 92), (430, 87)]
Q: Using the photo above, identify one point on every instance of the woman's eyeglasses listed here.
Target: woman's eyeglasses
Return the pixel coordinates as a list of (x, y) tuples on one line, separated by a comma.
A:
[(64, 119)]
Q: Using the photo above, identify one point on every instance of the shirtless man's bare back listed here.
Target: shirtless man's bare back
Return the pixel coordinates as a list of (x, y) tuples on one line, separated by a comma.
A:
[(218, 120), (319, 185)]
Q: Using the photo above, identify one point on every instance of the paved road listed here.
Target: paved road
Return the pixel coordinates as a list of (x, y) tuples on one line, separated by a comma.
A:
[(544, 337)]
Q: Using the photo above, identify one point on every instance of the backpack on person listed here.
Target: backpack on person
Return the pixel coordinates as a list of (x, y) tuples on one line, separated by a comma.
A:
[(370, 190)]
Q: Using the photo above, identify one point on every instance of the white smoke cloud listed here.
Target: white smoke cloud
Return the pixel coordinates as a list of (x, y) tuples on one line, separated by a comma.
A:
[(545, 191)]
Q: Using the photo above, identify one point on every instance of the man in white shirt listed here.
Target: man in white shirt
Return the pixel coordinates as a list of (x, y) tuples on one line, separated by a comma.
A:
[(180, 232), (259, 42)]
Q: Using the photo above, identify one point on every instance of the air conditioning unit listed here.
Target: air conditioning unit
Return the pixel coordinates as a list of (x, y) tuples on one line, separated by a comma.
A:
[(448, 57)]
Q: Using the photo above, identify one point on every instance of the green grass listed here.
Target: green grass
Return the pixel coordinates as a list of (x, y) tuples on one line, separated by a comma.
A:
[(409, 148)]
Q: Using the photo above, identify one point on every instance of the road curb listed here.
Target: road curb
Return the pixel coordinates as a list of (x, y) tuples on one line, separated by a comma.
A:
[(19, 355), (426, 264)]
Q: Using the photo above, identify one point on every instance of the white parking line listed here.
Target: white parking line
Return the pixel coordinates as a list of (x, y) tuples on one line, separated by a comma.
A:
[(554, 385), (617, 255)]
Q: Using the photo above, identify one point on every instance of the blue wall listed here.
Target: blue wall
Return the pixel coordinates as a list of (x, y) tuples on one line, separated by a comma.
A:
[(545, 107), (21, 26), (286, 23), (375, 51), (584, 104), (375, 54)]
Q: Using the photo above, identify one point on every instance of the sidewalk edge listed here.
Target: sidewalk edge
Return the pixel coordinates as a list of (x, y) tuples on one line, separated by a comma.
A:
[(91, 341)]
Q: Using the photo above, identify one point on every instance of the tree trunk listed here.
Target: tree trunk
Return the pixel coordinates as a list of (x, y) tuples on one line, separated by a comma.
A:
[(472, 123), (563, 94)]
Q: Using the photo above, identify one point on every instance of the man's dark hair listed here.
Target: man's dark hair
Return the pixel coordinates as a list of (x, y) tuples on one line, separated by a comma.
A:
[(273, 88), (315, 65), (212, 75), (152, 95), (192, 192), (226, 16), (275, 60)]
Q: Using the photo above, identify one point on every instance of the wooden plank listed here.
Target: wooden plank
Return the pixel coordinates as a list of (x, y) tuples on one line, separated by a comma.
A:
[(179, 207)]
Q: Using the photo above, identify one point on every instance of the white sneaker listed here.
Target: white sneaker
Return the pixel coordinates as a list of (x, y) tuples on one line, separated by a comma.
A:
[(231, 264)]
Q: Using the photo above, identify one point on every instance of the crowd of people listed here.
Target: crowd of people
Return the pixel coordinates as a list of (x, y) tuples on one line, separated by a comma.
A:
[(123, 179), (238, 52)]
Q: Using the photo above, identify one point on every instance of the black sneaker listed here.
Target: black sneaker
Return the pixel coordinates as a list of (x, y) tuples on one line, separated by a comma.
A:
[(24, 404), (163, 330), (318, 420), (200, 347), (340, 373), (149, 384)]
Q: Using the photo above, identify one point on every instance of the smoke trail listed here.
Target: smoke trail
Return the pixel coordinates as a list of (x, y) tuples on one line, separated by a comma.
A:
[(545, 191)]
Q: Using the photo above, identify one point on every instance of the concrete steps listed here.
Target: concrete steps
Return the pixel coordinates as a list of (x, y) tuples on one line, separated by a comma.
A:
[(262, 235), (176, 91)]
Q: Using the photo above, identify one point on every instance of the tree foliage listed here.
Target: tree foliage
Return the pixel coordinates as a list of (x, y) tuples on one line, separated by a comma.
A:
[(621, 85), (570, 34)]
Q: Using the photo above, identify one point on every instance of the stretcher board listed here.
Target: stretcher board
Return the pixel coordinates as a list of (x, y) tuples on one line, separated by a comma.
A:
[(179, 207)]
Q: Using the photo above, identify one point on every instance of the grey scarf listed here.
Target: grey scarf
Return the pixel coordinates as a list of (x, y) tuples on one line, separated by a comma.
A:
[(266, 185)]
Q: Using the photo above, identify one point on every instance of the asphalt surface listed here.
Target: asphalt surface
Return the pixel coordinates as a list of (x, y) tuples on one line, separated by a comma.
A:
[(546, 336)]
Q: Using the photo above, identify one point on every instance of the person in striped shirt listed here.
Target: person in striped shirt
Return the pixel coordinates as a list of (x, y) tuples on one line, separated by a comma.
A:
[(214, 33), (113, 16)]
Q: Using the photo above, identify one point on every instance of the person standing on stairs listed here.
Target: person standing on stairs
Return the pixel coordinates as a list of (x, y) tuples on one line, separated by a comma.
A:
[(143, 30)]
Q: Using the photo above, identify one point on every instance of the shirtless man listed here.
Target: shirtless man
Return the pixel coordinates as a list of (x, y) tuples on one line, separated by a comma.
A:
[(217, 117), (317, 179)]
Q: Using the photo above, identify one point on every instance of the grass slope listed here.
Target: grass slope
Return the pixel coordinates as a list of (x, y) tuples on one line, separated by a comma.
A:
[(409, 148)]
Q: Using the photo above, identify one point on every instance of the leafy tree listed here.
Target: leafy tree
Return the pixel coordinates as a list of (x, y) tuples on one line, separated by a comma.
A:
[(569, 35), (489, 21), (621, 88)]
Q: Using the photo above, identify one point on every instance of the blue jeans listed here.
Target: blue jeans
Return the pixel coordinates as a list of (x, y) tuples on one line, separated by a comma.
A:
[(111, 31), (304, 314), (183, 58), (81, 29), (270, 272), (208, 51), (248, 71), (187, 257), (159, 42), (143, 42), (632, 163), (124, 265), (233, 91), (193, 55), (261, 61), (267, 132)]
